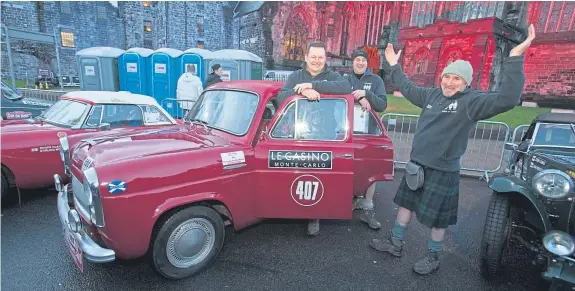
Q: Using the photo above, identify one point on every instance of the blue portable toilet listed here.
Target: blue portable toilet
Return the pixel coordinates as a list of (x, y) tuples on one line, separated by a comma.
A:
[(133, 66), (164, 71), (98, 67), (199, 58), (237, 64)]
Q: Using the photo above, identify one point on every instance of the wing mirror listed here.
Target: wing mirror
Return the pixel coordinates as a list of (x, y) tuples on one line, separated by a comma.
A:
[(510, 146), (104, 126)]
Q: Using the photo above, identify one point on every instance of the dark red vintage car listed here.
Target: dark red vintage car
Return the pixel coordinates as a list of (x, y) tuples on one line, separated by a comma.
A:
[(30, 149), (239, 159)]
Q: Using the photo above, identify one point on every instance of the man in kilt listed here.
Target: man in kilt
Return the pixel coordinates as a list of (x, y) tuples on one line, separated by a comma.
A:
[(448, 115)]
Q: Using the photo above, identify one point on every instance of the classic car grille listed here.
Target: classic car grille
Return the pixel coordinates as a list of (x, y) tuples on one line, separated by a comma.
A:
[(88, 162), (83, 202)]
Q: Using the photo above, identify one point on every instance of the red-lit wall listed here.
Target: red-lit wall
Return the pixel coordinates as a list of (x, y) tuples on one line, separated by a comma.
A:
[(550, 71), (472, 41)]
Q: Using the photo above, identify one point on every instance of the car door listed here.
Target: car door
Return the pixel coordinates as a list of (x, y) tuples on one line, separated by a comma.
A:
[(373, 151), (305, 162)]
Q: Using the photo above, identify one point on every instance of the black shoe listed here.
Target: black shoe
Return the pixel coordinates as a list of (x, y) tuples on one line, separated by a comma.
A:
[(392, 245), (428, 264)]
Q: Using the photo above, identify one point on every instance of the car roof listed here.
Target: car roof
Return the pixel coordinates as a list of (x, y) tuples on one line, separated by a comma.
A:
[(110, 97), (266, 89), (553, 117)]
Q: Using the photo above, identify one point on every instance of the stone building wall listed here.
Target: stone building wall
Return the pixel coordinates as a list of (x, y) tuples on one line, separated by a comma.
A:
[(98, 23)]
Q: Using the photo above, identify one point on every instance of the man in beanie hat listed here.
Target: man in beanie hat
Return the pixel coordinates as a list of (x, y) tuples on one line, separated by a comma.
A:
[(369, 91), (430, 185), (215, 76)]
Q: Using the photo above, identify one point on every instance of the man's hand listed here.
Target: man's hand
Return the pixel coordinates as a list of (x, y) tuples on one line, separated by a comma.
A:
[(391, 56), (522, 47), (300, 87), (358, 94), (365, 104), (311, 94)]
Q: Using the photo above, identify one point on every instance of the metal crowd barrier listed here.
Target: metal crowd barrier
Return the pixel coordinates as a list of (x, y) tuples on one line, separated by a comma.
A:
[(48, 95), (485, 150), (177, 107)]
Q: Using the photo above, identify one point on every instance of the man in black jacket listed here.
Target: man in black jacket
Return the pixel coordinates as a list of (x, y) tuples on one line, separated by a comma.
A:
[(369, 92), (215, 76), (312, 79), (449, 114)]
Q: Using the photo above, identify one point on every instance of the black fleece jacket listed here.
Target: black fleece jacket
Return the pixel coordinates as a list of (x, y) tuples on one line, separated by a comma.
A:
[(327, 82)]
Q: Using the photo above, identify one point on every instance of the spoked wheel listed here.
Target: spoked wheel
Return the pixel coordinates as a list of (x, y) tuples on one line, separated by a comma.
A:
[(496, 234), (188, 242)]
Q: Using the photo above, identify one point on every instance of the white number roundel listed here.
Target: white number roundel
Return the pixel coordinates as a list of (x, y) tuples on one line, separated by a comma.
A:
[(306, 190)]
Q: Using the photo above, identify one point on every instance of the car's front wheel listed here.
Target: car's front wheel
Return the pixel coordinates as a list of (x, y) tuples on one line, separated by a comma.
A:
[(495, 232), (188, 242), (5, 187)]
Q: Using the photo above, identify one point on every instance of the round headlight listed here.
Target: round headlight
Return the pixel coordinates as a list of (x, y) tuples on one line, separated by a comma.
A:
[(552, 184), (559, 243), (88, 191)]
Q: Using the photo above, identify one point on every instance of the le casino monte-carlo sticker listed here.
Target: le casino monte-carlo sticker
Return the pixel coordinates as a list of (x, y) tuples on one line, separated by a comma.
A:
[(300, 159)]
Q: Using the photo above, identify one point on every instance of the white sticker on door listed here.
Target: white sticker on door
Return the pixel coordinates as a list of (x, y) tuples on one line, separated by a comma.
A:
[(89, 71), (233, 158), (160, 68), (132, 67), (307, 190)]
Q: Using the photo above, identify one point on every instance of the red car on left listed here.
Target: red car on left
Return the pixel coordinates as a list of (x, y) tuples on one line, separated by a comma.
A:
[(30, 150)]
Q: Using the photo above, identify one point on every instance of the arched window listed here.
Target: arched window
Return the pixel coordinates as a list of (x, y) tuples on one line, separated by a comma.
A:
[(420, 61), (295, 39)]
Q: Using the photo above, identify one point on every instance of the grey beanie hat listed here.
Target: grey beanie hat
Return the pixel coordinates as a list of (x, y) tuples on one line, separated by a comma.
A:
[(460, 68)]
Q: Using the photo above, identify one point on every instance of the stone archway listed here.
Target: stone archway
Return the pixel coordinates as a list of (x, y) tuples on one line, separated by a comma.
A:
[(420, 62), (296, 36)]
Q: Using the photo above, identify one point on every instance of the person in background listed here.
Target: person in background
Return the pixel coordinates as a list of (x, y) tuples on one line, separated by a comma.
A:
[(313, 78), (189, 89), (369, 92), (430, 185), (215, 76)]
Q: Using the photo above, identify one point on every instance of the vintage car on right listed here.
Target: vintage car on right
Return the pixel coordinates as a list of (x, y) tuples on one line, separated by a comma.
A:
[(532, 202)]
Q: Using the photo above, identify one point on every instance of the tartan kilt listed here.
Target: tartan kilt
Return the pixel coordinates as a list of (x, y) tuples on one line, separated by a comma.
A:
[(435, 204)]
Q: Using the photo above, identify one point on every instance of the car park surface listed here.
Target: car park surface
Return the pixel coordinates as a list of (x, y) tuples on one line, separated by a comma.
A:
[(272, 255)]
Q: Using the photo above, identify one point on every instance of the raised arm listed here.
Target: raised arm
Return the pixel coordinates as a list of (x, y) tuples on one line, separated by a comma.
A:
[(410, 91), (488, 105)]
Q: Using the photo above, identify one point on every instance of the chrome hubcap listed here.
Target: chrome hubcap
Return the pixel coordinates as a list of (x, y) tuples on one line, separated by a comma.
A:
[(190, 243)]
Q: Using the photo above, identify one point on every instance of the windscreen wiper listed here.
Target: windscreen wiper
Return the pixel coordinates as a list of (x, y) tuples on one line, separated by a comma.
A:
[(202, 122)]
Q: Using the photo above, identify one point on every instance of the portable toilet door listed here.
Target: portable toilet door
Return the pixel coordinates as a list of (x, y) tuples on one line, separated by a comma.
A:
[(239, 59), (99, 68), (133, 67), (164, 72), (199, 58)]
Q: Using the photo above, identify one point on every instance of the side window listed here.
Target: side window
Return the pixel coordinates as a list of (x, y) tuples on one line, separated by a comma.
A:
[(153, 115), (120, 115), (365, 122), (270, 110), (305, 120), (93, 119)]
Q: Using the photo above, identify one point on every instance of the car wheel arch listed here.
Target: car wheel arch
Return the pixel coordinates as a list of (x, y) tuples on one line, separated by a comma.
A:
[(530, 201), (215, 204), (9, 175)]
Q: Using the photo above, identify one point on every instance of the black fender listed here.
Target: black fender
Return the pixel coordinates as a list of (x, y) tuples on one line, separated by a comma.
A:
[(512, 184)]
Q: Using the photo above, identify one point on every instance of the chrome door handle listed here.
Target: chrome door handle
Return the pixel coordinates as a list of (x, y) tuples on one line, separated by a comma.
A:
[(381, 146), (347, 156)]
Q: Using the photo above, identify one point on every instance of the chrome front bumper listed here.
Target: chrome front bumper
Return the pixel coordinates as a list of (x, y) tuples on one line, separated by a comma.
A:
[(91, 250)]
